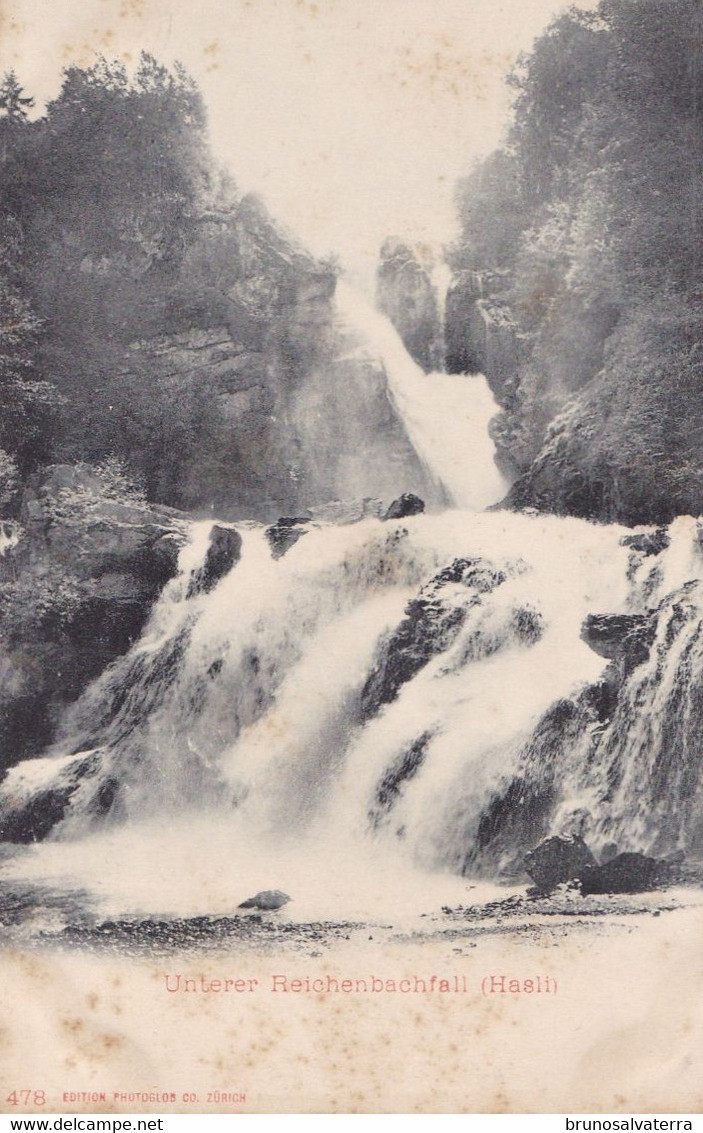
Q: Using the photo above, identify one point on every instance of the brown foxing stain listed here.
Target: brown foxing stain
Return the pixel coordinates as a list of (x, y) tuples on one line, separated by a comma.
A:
[(89, 1046), (31, 967), (275, 726), (9, 25), (212, 48), (93, 1000), (73, 1025), (446, 71), (132, 8), (500, 1103), (86, 53)]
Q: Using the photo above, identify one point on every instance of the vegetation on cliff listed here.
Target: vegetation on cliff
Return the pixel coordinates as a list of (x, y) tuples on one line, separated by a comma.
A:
[(150, 326), (119, 234), (587, 224)]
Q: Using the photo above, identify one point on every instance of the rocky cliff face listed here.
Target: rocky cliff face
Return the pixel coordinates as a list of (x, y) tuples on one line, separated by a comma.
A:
[(601, 268), (465, 345), (278, 405), (406, 294), (254, 401), (75, 591)]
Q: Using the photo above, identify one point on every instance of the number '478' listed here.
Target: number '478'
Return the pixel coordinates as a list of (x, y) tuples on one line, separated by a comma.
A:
[(26, 1097)]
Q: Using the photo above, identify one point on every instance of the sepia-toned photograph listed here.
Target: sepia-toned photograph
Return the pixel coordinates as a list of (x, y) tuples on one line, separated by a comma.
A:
[(351, 567)]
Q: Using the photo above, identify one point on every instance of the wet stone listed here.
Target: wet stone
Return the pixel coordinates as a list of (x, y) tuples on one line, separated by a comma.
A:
[(556, 860), (285, 533), (407, 504)]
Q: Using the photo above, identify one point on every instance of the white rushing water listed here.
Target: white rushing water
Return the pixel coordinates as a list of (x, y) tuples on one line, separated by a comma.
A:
[(261, 709), (347, 721), (446, 415)]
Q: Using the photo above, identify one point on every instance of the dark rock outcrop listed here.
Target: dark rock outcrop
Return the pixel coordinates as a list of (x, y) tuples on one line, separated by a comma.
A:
[(75, 593), (465, 350), (482, 335), (224, 551), (554, 477), (267, 900), (34, 816), (647, 542), (391, 786), (626, 873), (406, 295), (407, 504), (557, 860), (432, 623), (285, 533), (626, 638)]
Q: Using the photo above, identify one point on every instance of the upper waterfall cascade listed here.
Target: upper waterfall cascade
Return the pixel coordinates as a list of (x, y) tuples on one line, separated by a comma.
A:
[(446, 415)]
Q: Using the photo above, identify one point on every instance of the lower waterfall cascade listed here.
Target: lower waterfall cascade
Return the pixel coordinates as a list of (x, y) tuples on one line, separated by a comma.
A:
[(384, 703)]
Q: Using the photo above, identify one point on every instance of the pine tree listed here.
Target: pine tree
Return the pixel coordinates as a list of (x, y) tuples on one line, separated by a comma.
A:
[(14, 103)]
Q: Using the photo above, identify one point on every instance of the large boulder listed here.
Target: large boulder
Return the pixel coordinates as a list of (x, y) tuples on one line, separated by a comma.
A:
[(626, 873), (626, 638), (556, 860), (407, 504), (267, 900)]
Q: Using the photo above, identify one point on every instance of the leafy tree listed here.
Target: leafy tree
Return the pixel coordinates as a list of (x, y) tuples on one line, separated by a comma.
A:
[(29, 405), (493, 213), (597, 218)]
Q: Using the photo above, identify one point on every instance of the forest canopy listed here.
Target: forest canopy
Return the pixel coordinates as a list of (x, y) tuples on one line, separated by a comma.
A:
[(129, 258), (590, 217)]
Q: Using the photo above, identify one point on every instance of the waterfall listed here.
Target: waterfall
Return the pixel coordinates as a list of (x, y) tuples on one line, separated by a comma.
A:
[(441, 279), (273, 716), (446, 415), (387, 702)]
